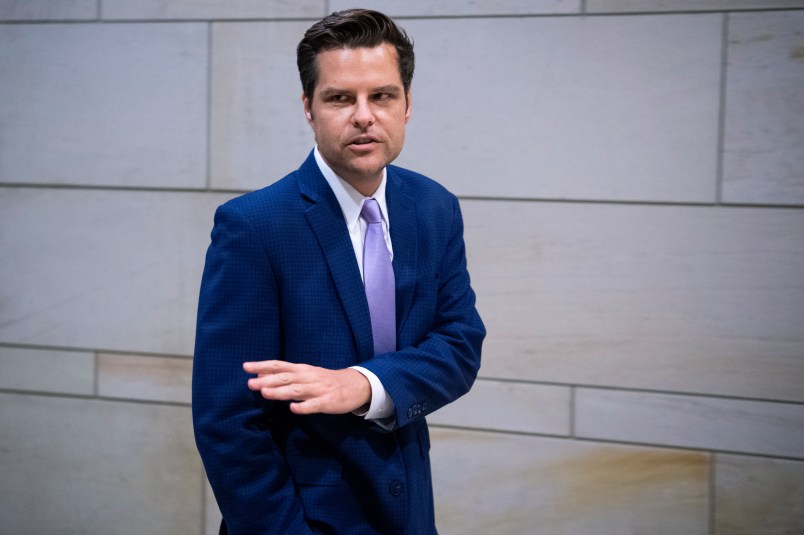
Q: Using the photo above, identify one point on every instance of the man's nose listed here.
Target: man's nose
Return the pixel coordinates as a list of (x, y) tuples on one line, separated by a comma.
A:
[(363, 116)]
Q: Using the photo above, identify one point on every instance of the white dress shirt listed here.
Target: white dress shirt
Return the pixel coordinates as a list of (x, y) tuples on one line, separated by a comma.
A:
[(381, 407)]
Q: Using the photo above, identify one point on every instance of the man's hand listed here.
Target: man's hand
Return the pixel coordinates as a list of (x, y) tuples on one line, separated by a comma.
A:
[(310, 389)]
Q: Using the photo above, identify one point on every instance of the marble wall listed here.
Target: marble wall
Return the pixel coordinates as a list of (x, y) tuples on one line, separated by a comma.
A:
[(632, 180)]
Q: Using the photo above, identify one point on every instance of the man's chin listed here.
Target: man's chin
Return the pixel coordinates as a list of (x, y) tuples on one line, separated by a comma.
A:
[(366, 171)]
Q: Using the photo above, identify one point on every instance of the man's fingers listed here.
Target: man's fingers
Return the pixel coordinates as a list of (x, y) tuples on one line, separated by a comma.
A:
[(285, 393), (271, 380), (268, 366), (310, 389), (311, 406)]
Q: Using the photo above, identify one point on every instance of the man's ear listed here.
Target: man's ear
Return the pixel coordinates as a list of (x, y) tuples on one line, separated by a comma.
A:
[(308, 112), (409, 104)]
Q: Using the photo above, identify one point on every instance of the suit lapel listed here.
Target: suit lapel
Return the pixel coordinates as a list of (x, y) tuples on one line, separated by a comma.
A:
[(405, 239), (325, 218)]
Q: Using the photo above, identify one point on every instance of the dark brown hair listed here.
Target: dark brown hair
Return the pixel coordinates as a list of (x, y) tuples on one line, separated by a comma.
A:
[(353, 28)]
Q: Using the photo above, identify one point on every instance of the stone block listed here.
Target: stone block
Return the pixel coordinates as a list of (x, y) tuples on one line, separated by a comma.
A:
[(672, 298), (165, 379), (42, 370), (104, 104), (763, 152), (719, 424), (754, 495), (510, 406), (50, 10), (111, 270), (611, 108), (423, 8), (643, 6), (95, 467), (220, 9), (514, 484), (259, 133)]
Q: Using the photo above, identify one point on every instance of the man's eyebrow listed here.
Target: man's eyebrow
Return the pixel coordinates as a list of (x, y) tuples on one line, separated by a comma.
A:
[(324, 94), (393, 89), (332, 91)]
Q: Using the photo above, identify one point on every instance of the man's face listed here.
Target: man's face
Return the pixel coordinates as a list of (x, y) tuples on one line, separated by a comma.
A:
[(358, 112)]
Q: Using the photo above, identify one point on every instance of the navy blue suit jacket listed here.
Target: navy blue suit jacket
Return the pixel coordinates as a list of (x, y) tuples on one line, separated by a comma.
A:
[(281, 282)]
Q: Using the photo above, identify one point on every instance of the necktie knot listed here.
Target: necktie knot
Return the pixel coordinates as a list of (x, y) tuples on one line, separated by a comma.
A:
[(371, 211)]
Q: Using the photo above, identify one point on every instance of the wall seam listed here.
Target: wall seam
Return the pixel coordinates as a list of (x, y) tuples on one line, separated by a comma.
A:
[(312, 18), (96, 373), (627, 443), (572, 410), (721, 127), (712, 493), (120, 352), (572, 386), (225, 191)]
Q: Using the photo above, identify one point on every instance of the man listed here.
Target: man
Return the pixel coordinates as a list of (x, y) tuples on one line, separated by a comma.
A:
[(317, 358)]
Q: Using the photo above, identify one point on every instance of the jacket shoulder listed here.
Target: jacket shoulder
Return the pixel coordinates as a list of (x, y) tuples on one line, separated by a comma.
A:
[(283, 191)]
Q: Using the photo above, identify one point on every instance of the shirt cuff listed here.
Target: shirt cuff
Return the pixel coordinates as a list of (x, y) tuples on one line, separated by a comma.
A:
[(381, 406)]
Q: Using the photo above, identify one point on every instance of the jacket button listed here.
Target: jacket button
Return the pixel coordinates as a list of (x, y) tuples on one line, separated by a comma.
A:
[(395, 488)]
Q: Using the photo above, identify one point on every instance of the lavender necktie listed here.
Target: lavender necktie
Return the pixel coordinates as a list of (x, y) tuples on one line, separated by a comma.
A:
[(378, 278)]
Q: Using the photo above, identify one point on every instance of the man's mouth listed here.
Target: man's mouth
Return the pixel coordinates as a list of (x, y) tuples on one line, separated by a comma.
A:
[(363, 141)]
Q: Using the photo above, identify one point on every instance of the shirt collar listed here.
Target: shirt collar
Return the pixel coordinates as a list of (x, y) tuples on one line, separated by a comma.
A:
[(349, 199)]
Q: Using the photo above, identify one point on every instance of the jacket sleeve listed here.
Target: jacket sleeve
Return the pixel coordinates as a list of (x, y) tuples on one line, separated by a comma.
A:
[(443, 363), (238, 320)]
